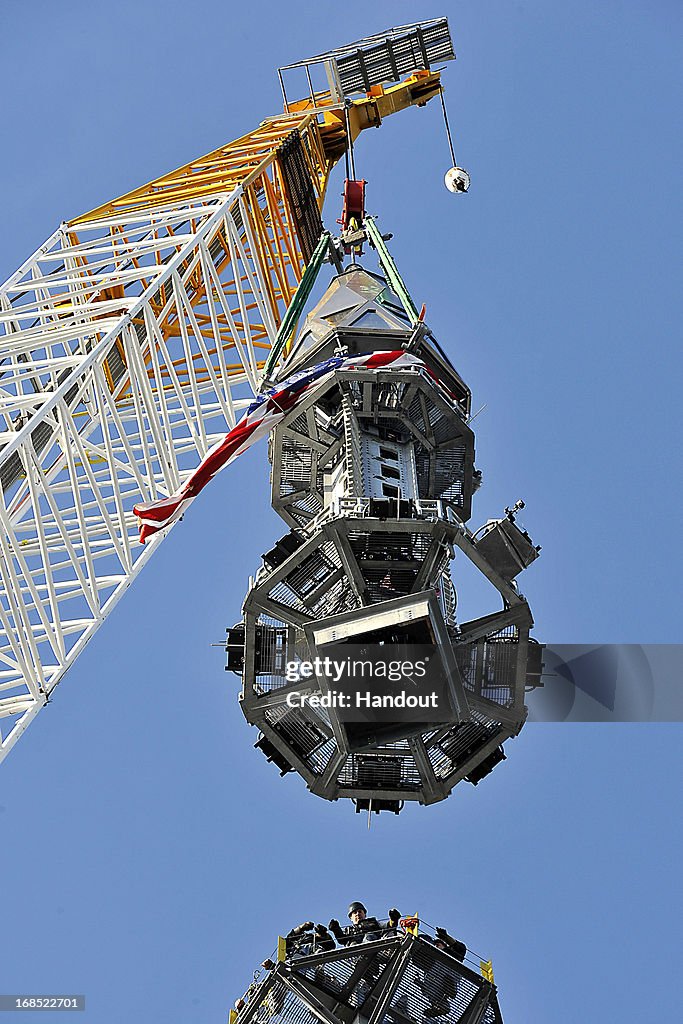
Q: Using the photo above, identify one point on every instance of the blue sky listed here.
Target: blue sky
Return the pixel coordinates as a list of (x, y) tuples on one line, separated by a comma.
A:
[(148, 856)]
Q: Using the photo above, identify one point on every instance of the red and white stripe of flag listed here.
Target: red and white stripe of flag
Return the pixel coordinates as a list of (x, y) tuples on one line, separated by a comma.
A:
[(257, 422)]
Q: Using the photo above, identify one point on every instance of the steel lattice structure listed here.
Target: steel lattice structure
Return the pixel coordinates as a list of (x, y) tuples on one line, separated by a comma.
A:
[(394, 980), (129, 343), (373, 471)]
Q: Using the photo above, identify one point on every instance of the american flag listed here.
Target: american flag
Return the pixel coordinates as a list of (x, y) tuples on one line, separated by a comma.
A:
[(263, 414)]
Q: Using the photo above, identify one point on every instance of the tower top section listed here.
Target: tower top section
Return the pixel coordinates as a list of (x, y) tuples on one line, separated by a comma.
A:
[(380, 973), (360, 313)]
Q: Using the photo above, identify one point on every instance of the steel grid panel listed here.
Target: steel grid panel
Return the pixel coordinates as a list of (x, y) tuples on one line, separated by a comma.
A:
[(275, 1002), (448, 755), (392, 767), (350, 979), (413, 999), (305, 730)]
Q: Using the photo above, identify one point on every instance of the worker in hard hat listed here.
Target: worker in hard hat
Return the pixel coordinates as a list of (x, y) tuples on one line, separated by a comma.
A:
[(361, 929)]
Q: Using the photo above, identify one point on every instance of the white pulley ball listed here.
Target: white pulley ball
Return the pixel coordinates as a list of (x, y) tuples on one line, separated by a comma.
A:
[(457, 180)]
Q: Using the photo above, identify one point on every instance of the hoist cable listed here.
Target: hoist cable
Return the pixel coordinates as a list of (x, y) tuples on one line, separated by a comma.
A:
[(448, 130), (349, 149)]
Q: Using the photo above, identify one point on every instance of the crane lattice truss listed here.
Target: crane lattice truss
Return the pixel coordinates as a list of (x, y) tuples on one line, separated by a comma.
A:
[(129, 343)]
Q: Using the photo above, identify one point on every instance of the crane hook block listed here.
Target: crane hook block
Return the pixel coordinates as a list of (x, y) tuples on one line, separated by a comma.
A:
[(354, 204)]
